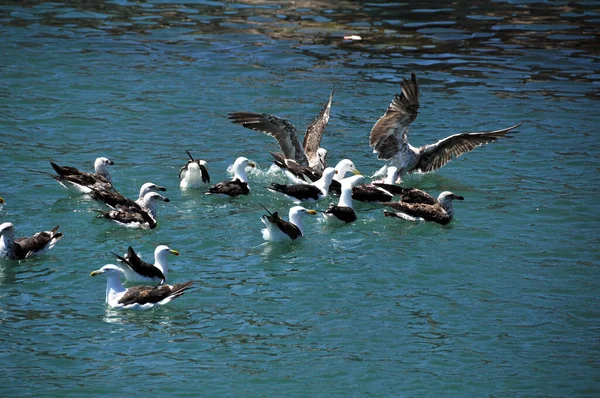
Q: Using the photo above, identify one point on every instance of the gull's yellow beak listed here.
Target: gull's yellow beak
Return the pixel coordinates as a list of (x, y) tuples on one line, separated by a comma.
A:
[(356, 172), (94, 273), (175, 252), (251, 164), (313, 212)]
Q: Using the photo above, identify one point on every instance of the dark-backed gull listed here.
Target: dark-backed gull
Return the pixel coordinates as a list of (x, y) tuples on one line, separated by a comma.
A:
[(114, 199), (389, 137), (239, 184), (21, 248), (407, 195), (306, 192), (138, 271), (440, 212), (81, 181), (308, 154), (277, 229), (2, 203), (136, 216), (194, 174), (343, 211), (137, 297)]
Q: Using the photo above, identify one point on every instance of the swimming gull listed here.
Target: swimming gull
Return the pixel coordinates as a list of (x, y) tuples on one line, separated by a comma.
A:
[(440, 212), (138, 271), (137, 297), (21, 248), (238, 185), (277, 229), (193, 174)]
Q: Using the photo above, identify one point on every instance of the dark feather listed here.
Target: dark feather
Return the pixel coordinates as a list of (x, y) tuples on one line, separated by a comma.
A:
[(315, 130), (408, 195), (436, 155), (435, 212), (230, 188), (24, 247), (370, 193), (388, 131), (298, 191), (286, 227), (282, 130), (136, 264), (148, 294), (343, 213)]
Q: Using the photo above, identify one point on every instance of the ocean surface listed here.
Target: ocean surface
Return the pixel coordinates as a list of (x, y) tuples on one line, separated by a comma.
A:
[(502, 302)]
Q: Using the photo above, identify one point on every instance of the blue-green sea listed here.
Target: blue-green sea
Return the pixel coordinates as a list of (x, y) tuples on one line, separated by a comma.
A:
[(502, 302)]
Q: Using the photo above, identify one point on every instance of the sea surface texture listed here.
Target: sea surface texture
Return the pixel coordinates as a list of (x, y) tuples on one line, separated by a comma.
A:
[(502, 302)]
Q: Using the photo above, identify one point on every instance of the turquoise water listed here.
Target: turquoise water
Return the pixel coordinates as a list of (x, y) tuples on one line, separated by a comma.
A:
[(502, 302)]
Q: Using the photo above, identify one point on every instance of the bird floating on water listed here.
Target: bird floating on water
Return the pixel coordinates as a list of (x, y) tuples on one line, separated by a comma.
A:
[(21, 248), (238, 185), (306, 192), (194, 174), (277, 229), (440, 212), (343, 211), (81, 181), (374, 193), (308, 154), (113, 199), (2, 203), (389, 137), (138, 271), (137, 297), (143, 216)]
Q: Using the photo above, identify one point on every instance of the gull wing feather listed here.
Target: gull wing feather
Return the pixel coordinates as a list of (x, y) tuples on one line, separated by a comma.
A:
[(434, 156), (283, 131), (390, 130), (314, 131)]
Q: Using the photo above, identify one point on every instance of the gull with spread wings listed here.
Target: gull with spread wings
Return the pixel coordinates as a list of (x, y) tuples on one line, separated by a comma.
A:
[(389, 137), (295, 157)]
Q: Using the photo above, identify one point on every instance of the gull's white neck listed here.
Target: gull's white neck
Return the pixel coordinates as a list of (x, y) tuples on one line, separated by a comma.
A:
[(346, 196), (324, 182), (160, 262), (114, 287), (240, 173), (296, 219)]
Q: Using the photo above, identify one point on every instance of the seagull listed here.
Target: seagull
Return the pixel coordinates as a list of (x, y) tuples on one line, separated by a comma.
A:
[(84, 182), (343, 211), (2, 203), (143, 216), (342, 168), (306, 192), (373, 192), (138, 271), (308, 154), (113, 199), (389, 137), (193, 174), (239, 184), (137, 297), (440, 212), (21, 248), (277, 229)]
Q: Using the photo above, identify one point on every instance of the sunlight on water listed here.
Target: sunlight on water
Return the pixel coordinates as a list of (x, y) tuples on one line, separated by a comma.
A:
[(502, 301)]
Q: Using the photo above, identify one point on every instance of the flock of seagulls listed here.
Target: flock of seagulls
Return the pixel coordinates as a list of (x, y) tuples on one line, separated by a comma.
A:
[(310, 179)]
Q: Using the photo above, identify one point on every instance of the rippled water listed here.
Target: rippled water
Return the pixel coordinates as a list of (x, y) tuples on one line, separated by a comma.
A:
[(502, 302)]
